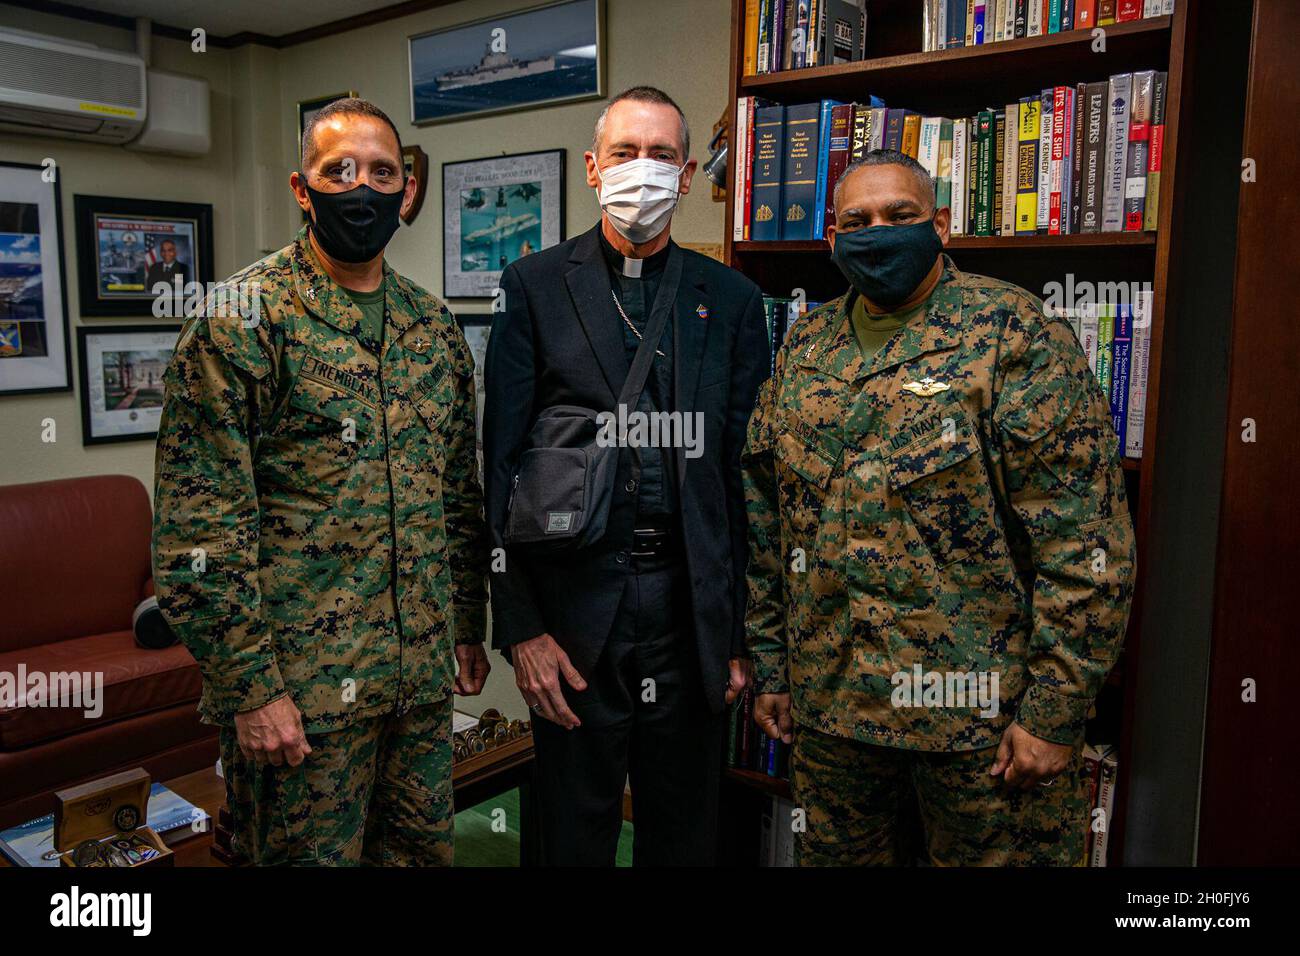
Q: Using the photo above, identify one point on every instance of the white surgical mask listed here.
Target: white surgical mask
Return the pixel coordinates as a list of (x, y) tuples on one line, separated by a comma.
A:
[(639, 197)]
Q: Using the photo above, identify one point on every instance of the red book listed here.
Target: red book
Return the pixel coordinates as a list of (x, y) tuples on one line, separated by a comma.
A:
[(1128, 10), (1057, 168), (1085, 14), (837, 157)]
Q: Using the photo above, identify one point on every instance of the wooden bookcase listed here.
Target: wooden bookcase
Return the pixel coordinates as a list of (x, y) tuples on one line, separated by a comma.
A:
[(958, 83)]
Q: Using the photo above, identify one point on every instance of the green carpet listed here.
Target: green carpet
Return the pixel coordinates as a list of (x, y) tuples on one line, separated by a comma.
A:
[(478, 844)]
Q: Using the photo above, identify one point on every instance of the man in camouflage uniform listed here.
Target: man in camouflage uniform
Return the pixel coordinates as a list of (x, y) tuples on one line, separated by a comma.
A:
[(318, 538), (935, 500)]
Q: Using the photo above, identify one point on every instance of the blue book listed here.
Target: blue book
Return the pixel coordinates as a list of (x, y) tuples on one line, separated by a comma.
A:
[(956, 23), (799, 172), (823, 157), (980, 10), (1067, 15), (1121, 362), (769, 153), (1053, 17)]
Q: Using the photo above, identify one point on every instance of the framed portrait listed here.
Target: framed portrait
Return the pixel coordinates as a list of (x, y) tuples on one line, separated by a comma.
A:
[(477, 327), (122, 370), (138, 256), (537, 57), (495, 211), (35, 353), (308, 108)]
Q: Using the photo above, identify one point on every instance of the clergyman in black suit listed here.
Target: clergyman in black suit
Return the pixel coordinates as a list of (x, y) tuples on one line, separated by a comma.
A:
[(628, 651), (167, 268)]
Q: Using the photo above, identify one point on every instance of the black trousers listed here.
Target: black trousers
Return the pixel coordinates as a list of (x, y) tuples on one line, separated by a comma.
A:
[(644, 717)]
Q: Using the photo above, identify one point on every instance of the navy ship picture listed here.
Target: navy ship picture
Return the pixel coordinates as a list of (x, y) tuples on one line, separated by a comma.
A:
[(493, 68)]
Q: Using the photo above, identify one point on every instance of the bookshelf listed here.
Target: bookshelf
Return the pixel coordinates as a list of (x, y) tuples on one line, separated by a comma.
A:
[(957, 83)]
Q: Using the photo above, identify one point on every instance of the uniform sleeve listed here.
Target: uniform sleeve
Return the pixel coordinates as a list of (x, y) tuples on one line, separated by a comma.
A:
[(749, 366), (765, 615), (463, 500), (1066, 489), (206, 520)]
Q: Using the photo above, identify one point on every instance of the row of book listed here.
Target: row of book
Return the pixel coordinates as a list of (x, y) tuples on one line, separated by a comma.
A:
[(782, 313), (1071, 159), (793, 34), (1116, 338), (949, 24), (749, 748)]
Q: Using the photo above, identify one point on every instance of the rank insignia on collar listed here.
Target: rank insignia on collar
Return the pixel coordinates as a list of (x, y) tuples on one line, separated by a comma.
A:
[(311, 293), (926, 387), (702, 311), (420, 345)]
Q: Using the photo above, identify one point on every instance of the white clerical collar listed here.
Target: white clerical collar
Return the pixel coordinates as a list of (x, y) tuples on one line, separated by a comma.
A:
[(632, 267)]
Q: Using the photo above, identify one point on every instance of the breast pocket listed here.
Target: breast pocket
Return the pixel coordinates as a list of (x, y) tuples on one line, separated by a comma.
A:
[(945, 492), (333, 430)]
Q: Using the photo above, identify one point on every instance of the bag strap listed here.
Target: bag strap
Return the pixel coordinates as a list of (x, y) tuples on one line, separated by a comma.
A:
[(634, 385)]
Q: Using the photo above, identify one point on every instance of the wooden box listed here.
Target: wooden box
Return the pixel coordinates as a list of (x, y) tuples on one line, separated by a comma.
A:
[(105, 810)]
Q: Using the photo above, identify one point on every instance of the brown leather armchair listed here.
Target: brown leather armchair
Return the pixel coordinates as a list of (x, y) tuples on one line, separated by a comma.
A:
[(74, 563)]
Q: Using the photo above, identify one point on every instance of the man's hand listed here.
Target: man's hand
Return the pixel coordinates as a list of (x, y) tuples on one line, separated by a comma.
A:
[(538, 666), (472, 669), (741, 673), (772, 713), (1028, 760), (273, 733)]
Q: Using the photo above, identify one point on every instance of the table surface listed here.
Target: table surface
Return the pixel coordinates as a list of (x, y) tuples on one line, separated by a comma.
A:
[(476, 778)]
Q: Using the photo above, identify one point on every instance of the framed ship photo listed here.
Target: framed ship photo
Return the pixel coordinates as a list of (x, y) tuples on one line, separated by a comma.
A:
[(495, 211), (122, 380), (537, 57), (130, 250), (34, 348)]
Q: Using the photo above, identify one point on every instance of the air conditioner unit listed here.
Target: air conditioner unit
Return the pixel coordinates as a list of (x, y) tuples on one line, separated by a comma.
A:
[(54, 87)]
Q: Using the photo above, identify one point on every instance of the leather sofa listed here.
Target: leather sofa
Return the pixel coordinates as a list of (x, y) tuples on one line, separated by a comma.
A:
[(74, 564)]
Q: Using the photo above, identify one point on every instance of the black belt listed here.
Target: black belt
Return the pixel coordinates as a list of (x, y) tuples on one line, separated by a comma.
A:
[(653, 542)]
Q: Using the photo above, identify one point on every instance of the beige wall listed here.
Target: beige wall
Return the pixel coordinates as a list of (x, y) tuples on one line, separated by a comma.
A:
[(679, 45), (100, 170)]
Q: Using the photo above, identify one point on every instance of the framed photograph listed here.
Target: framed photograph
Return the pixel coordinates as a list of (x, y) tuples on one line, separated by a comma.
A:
[(495, 211), (137, 256), (122, 370), (537, 57), (34, 347), (308, 108), (477, 327)]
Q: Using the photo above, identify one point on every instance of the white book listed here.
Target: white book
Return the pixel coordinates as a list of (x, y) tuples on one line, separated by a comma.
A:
[(941, 24), (1045, 162), (1118, 95), (1034, 20), (1139, 366), (1009, 20), (740, 150), (993, 21), (1088, 331), (928, 150), (1168, 7), (1152, 8), (878, 128), (1010, 155), (958, 201)]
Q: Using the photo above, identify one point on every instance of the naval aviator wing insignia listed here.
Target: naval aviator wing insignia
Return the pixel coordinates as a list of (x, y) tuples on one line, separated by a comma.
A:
[(927, 387)]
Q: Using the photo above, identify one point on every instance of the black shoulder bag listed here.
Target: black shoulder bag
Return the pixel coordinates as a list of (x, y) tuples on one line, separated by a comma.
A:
[(564, 482)]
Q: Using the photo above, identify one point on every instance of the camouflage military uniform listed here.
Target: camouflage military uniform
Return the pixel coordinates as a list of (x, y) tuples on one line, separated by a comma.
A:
[(318, 533), (953, 505)]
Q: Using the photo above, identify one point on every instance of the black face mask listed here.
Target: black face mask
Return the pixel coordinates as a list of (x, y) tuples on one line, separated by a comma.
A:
[(887, 263), (354, 226)]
